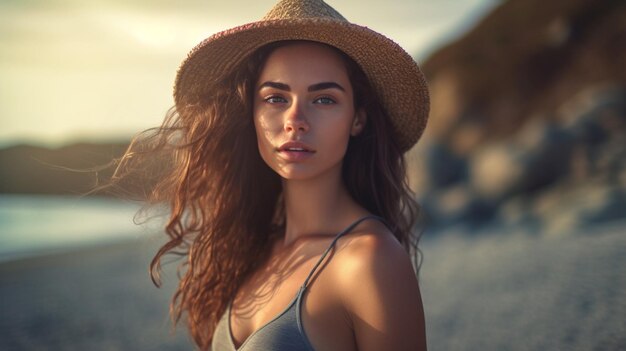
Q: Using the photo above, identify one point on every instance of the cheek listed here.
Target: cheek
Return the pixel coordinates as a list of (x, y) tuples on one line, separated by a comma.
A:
[(264, 137), (337, 132)]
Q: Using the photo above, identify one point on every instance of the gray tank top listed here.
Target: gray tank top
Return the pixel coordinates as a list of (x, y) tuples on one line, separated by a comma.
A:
[(284, 332)]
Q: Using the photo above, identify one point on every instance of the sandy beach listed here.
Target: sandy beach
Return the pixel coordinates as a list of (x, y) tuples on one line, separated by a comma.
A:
[(525, 291), (488, 292), (93, 299)]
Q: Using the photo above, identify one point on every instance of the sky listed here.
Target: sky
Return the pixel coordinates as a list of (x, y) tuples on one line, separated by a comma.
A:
[(98, 70)]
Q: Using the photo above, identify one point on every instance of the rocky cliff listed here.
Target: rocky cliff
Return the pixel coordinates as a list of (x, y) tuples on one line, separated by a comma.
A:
[(528, 121)]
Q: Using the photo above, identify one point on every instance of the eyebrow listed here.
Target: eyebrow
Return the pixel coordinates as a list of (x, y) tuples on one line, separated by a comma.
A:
[(314, 87)]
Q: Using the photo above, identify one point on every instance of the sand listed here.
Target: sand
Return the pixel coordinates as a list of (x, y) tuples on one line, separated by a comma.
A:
[(509, 291), (94, 299)]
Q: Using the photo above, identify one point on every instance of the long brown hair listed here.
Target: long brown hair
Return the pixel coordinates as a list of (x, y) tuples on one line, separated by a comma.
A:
[(222, 219)]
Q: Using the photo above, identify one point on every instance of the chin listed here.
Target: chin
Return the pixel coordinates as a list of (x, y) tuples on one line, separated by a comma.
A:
[(305, 172), (295, 174)]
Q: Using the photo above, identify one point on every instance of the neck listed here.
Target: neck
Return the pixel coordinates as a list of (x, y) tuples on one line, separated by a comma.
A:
[(319, 206)]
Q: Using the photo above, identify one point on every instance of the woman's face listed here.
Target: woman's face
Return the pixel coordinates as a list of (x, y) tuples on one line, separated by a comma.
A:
[(304, 111)]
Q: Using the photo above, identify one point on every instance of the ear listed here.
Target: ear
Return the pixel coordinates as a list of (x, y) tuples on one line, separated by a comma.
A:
[(360, 118)]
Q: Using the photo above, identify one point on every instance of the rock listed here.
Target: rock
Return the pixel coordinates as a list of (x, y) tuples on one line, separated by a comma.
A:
[(528, 121), (457, 205), (495, 171), (549, 161), (444, 167)]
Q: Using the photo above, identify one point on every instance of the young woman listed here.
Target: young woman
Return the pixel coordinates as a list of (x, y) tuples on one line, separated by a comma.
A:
[(287, 189)]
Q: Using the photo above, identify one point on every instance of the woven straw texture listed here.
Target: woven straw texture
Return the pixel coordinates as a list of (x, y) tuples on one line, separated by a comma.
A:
[(393, 74)]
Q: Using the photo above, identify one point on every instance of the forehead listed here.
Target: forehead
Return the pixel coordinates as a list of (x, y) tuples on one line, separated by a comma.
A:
[(304, 60)]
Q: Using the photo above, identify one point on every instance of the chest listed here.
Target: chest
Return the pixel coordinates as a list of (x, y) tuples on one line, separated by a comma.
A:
[(265, 294), (270, 297)]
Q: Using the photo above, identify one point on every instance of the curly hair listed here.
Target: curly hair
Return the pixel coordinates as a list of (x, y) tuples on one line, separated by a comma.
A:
[(222, 220)]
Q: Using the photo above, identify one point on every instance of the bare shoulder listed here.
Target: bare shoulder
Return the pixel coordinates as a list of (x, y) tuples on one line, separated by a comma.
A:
[(374, 246), (379, 291)]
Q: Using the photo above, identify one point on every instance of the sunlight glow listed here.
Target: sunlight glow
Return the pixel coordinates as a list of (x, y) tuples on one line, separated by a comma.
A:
[(70, 69)]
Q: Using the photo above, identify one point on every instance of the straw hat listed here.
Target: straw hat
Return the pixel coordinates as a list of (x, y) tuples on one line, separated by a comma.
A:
[(393, 74)]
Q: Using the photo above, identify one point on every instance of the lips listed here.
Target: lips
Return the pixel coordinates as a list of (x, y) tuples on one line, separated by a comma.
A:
[(295, 151), (295, 146)]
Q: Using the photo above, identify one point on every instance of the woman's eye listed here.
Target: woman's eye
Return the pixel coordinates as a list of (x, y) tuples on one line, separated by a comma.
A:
[(325, 100), (275, 99)]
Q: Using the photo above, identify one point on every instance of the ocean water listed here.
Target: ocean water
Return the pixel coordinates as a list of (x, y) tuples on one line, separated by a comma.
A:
[(36, 225)]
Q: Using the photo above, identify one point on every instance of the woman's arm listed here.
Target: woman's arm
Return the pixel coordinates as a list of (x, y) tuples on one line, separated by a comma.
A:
[(381, 295)]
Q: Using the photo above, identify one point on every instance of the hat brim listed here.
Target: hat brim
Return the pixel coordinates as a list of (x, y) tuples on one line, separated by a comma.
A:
[(393, 74)]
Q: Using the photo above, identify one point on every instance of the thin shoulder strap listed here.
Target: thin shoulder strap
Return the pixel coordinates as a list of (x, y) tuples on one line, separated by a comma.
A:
[(347, 230)]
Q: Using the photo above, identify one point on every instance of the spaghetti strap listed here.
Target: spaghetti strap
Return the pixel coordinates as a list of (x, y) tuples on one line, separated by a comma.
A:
[(347, 230)]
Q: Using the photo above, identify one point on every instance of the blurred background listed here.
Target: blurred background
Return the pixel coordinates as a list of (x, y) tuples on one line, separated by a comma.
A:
[(521, 172)]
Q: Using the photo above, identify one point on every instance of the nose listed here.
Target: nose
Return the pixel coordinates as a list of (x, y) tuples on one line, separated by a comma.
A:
[(295, 120)]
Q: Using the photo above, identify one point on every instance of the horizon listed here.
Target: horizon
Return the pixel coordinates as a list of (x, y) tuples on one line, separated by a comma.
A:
[(103, 71)]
